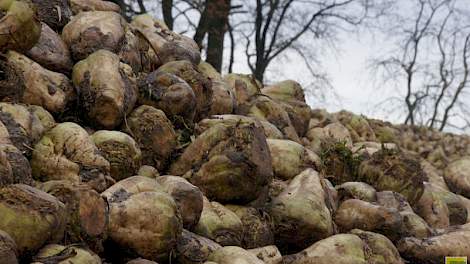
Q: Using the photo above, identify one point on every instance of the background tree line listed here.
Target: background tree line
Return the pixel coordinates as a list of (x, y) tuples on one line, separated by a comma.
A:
[(427, 64)]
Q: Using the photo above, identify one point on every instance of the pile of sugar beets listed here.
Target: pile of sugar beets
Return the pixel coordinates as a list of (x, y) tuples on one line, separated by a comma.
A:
[(119, 145)]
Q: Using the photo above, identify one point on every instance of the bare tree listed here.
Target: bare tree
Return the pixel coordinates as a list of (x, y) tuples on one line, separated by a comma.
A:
[(267, 31), (431, 62), (266, 28), (279, 25)]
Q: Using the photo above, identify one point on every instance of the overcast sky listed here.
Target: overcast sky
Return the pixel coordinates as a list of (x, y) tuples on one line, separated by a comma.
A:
[(357, 87), (346, 65)]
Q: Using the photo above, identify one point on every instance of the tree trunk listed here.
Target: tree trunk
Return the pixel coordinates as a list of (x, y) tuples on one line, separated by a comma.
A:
[(167, 7), (218, 12), (201, 29), (259, 71), (213, 21), (232, 48), (142, 8)]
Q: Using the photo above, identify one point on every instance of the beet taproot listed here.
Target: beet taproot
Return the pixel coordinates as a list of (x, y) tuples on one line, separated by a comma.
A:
[(31, 217), (67, 152), (20, 28), (228, 163), (108, 89), (88, 32)]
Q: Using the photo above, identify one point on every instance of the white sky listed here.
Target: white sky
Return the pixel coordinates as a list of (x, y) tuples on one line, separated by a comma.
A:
[(346, 66), (347, 69)]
